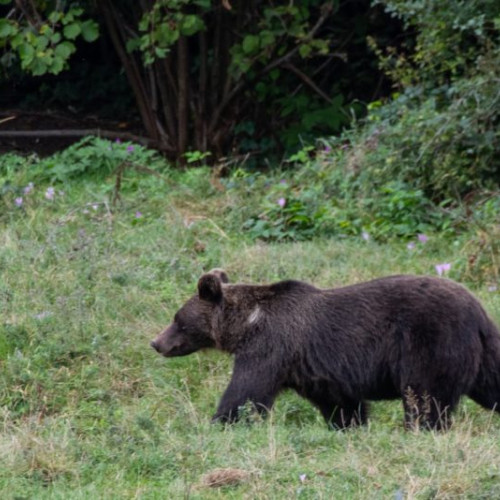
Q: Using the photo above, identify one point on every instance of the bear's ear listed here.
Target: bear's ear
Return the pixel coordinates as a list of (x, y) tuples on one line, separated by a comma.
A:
[(210, 287), (221, 274)]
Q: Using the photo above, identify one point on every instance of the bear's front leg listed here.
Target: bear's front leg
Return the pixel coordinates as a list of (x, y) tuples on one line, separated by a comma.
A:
[(250, 382)]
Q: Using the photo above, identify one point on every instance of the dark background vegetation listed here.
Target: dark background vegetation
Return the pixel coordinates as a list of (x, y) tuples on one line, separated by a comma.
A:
[(384, 114), (230, 78)]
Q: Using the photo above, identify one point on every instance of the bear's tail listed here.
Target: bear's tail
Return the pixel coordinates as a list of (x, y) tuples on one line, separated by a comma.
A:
[(486, 388)]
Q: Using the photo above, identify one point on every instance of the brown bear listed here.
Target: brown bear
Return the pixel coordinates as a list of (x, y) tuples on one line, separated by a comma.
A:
[(425, 340)]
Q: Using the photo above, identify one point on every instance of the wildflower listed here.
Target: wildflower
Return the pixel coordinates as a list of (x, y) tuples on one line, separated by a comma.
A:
[(302, 477), (18, 202), (365, 236), (118, 140), (423, 238), (49, 194), (28, 188), (281, 202), (442, 268), (492, 288), (138, 215), (327, 149), (130, 149), (95, 206), (410, 245)]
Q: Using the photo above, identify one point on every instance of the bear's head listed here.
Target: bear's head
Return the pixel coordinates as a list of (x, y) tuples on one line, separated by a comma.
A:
[(194, 323)]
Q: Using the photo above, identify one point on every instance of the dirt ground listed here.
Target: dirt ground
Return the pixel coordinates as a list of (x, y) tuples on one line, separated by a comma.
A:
[(51, 131)]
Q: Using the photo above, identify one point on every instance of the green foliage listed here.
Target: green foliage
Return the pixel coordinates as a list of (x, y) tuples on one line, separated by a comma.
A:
[(89, 157), (250, 78), (289, 24), (445, 143), (164, 23), (196, 157), (449, 38), (45, 47), (321, 198), (94, 156)]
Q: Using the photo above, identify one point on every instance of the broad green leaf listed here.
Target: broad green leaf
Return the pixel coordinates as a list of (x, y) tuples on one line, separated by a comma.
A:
[(71, 31), (42, 43), (6, 28), (45, 29), (305, 50), (165, 35), (55, 16), (191, 24), (39, 67), (133, 44), (26, 53), (64, 50), (55, 38), (267, 38), (57, 65), (90, 30), (17, 40), (250, 44), (161, 53)]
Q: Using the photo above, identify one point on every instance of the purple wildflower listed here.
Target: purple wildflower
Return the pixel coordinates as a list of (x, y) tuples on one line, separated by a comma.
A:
[(365, 236), (423, 238), (442, 268), (28, 188), (49, 194), (302, 477), (118, 140), (281, 202), (18, 201), (130, 149), (410, 245), (138, 215), (327, 149), (492, 288)]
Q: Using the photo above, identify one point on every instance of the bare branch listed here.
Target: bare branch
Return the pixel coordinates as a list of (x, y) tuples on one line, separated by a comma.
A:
[(307, 81), (67, 133)]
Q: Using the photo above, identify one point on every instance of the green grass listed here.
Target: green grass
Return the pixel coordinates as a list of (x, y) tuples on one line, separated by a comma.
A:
[(89, 410)]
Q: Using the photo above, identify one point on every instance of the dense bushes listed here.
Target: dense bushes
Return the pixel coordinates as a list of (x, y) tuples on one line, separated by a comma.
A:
[(425, 160)]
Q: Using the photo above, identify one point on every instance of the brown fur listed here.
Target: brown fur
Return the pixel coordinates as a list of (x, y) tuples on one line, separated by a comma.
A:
[(425, 340)]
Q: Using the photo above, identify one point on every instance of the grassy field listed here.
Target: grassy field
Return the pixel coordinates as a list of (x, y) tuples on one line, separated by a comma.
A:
[(89, 410)]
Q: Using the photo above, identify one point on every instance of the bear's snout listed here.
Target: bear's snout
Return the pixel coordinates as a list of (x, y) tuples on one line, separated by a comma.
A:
[(155, 345)]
